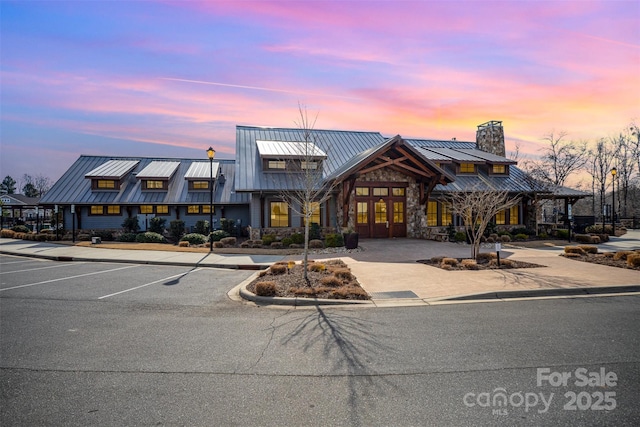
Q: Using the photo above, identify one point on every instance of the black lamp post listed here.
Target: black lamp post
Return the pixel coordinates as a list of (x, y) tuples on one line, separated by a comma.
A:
[(614, 171), (210, 153)]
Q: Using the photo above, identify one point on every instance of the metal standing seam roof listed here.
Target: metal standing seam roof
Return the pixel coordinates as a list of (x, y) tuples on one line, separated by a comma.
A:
[(488, 157), (159, 169), (114, 169), (455, 155), (289, 149), (202, 170)]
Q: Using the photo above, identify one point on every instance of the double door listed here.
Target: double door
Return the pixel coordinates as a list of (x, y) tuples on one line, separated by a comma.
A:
[(380, 211)]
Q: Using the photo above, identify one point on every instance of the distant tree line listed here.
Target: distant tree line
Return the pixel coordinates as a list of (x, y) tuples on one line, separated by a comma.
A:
[(31, 186)]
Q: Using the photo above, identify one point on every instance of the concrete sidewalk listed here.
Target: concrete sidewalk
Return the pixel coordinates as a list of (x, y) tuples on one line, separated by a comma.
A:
[(388, 271)]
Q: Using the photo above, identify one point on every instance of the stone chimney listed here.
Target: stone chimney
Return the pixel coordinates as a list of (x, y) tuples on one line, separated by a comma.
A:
[(490, 138)]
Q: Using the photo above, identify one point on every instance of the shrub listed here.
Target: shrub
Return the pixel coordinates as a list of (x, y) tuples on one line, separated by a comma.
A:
[(276, 245), (316, 266), (184, 244), (268, 239), (20, 229), (608, 254), (505, 238), (469, 264), (218, 235), (603, 237), (449, 261), (297, 238), (460, 236), (521, 236), (127, 237), (491, 240), (574, 250), (571, 255), (562, 233), (131, 225), (176, 229), (485, 256), (343, 274), (633, 260), (595, 240), (543, 235), (437, 259), (246, 244), (150, 237), (201, 227), (228, 225), (334, 240), (589, 249), (314, 231), (316, 244), (331, 281), (446, 267), (278, 269), (194, 238), (597, 228), (157, 224), (351, 292), (228, 241), (218, 245), (522, 230), (583, 238), (622, 255), (9, 234), (266, 289), (287, 241), (105, 235)]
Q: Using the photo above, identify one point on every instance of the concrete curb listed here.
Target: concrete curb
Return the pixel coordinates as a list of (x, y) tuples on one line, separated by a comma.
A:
[(296, 302), (533, 293)]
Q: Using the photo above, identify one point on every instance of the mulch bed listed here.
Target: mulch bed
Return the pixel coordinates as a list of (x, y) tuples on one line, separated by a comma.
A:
[(463, 264), (292, 284), (603, 259)]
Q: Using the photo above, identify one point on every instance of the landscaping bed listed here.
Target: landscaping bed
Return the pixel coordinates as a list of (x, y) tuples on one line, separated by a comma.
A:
[(620, 259), (485, 261), (330, 279)]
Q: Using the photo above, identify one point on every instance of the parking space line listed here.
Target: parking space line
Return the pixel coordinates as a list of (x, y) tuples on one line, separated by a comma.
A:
[(151, 283), (67, 278), (21, 261), (39, 268)]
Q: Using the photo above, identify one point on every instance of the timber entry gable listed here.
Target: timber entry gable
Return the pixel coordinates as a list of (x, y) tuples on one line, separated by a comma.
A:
[(394, 156)]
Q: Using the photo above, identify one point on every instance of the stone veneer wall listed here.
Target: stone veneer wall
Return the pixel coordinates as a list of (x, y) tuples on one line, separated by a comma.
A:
[(415, 215), (490, 139)]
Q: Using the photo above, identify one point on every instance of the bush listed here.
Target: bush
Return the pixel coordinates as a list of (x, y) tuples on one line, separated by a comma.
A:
[(201, 227), (331, 281), (287, 241), (504, 263), (589, 249), (246, 244), (485, 256), (574, 250), (218, 245), (278, 269), (505, 238), (266, 289), (228, 225), (469, 264), (228, 241), (633, 260), (449, 261), (316, 244), (343, 274), (9, 234), (317, 267), (276, 245), (543, 235), (297, 238), (522, 230), (597, 228), (334, 240), (583, 238), (20, 229), (194, 238), (622, 255), (521, 236), (184, 244), (105, 235), (218, 235), (562, 233), (150, 237), (127, 237), (268, 239), (351, 292), (157, 224), (436, 259), (176, 229), (460, 236), (131, 225), (314, 231)]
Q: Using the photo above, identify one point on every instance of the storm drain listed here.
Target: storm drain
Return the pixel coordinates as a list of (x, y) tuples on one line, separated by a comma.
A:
[(394, 294)]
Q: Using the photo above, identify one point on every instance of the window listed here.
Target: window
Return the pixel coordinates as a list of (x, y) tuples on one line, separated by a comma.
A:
[(279, 213), (276, 164), (398, 212), (445, 214), (315, 213), (106, 184), (362, 191), (113, 210), (193, 209), (380, 212), (398, 192), (308, 165), (467, 168), (198, 185), (499, 169), (501, 217), (104, 210), (380, 191), (205, 209), (162, 210), (154, 185), (146, 209), (514, 217), (97, 210), (432, 213), (362, 215)]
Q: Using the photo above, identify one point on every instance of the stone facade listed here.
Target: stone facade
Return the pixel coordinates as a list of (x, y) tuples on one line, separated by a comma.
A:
[(415, 213), (490, 138)]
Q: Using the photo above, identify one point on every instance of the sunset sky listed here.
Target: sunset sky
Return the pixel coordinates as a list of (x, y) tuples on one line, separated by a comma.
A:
[(171, 78)]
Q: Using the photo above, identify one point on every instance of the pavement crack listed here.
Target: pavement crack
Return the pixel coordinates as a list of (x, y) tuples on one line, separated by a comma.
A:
[(271, 335)]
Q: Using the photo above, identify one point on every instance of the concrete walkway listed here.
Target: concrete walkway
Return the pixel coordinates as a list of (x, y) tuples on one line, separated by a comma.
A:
[(388, 271)]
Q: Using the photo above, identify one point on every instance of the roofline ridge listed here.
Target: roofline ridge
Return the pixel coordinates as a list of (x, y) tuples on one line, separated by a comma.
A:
[(298, 129)]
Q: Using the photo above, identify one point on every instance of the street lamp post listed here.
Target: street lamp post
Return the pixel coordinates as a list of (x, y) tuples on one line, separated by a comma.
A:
[(614, 171), (210, 153)]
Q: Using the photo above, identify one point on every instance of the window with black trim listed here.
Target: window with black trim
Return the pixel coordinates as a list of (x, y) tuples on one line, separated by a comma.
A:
[(153, 184), (276, 164), (146, 209), (467, 168), (198, 185), (499, 169), (104, 210), (105, 184), (279, 214)]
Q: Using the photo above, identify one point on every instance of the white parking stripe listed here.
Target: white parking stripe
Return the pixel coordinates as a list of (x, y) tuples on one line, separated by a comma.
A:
[(151, 283), (21, 261), (39, 268), (68, 278)]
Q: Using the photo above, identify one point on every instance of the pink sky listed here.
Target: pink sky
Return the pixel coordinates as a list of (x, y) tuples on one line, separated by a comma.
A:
[(172, 78)]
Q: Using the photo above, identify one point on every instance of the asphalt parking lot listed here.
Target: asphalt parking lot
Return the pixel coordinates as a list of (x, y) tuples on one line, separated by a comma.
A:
[(30, 278)]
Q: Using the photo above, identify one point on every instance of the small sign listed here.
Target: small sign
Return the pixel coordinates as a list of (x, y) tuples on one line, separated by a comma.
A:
[(73, 209), (498, 246)]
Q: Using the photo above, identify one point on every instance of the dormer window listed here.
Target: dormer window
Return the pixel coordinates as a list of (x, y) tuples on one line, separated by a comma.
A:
[(109, 176), (105, 184), (157, 174), (467, 168), (499, 169), (309, 165), (199, 175), (151, 184), (293, 156), (276, 164)]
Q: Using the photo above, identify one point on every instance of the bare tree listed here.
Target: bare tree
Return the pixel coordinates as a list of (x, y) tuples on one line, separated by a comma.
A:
[(42, 184), (477, 208), (561, 158), (602, 160), (309, 188)]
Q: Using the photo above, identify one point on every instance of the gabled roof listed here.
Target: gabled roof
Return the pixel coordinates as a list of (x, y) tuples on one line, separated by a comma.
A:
[(19, 200)]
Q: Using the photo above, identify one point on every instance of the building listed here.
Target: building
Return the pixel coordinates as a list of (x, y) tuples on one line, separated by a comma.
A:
[(380, 187)]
